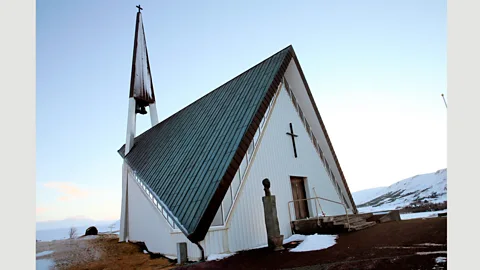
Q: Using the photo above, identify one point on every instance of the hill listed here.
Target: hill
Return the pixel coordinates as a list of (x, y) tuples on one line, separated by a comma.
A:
[(420, 189)]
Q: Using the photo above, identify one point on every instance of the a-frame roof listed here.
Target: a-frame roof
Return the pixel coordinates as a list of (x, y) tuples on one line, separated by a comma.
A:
[(190, 159)]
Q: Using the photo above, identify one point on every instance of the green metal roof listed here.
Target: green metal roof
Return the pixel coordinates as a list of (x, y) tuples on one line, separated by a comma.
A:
[(189, 159)]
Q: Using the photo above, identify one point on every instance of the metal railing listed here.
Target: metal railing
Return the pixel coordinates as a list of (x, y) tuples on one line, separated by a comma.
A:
[(317, 200)]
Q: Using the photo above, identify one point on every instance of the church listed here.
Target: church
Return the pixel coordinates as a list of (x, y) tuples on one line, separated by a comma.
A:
[(196, 177)]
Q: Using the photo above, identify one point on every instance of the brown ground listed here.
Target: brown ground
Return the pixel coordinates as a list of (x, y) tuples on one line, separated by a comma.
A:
[(384, 246), (103, 252)]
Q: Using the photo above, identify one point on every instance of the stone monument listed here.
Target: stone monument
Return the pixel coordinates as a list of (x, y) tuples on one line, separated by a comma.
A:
[(275, 240)]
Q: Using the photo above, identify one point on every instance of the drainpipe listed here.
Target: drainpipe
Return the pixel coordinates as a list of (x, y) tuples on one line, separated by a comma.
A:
[(201, 250)]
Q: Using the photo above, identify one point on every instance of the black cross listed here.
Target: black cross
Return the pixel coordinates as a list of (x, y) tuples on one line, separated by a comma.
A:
[(293, 139), (139, 8)]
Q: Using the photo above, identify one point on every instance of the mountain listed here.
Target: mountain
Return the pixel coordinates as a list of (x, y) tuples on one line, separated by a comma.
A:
[(59, 229), (430, 187), (71, 222)]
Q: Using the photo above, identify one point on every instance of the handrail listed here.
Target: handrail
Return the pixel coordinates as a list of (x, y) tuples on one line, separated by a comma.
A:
[(318, 198)]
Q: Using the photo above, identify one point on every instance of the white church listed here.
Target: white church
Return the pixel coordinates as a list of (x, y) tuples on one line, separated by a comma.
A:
[(196, 177)]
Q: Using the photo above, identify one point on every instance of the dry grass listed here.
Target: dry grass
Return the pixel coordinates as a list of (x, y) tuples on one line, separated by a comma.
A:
[(103, 252)]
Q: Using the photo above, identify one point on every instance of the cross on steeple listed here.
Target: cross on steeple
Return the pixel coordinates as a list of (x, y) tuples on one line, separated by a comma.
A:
[(139, 8), (293, 139)]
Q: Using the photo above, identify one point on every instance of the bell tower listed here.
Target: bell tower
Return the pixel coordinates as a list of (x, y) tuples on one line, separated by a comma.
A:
[(141, 96)]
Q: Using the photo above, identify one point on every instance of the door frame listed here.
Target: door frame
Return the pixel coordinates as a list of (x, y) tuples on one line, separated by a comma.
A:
[(307, 193)]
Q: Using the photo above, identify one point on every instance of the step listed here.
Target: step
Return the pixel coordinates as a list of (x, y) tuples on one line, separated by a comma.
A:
[(351, 220), (361, 226)]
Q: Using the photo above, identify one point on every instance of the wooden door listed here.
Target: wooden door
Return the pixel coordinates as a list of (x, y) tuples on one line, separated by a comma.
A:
[(298, 192)]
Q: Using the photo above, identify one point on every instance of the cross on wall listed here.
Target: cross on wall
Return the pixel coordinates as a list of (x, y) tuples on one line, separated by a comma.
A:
[(293, 135)]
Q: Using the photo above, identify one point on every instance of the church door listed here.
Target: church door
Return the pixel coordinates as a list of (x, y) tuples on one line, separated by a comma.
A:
[(299, 193)]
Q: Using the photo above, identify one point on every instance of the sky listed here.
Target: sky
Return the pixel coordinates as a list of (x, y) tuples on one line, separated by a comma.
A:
[(376, 70)]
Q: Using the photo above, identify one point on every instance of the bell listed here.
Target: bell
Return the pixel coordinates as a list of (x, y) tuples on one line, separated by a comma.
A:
[(140, 109)]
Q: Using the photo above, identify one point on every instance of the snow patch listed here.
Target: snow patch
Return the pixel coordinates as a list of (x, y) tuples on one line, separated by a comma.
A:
[(44, 253), (431, 245), (441, 259), (316, 242), (432, 252), (217, 257), (171, 257), (294, 238), (422, 214), (144, 251), (88, 237), (44, 264)]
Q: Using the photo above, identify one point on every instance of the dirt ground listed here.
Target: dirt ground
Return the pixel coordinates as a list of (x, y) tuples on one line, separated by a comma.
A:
[(392, 245), (101, 252)]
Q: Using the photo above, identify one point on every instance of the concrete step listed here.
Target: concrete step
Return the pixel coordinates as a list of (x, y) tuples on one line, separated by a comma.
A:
[(350, 219), (361, 226)]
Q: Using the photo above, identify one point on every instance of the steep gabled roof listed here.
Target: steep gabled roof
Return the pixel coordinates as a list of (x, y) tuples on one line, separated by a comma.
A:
[(190, 159)]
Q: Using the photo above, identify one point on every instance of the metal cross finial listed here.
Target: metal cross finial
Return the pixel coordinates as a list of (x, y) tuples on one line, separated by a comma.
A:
[(139, 8)]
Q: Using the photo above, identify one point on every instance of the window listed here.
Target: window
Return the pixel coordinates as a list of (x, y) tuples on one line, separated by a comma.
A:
[(243, 168), (256, 136), (227, 202), (294, 101), (262, 123), (218, 219), (301, 115), (250, 151), (235, 184)]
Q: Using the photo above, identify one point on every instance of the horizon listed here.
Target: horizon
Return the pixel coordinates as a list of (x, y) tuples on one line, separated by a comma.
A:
[(376, 73)]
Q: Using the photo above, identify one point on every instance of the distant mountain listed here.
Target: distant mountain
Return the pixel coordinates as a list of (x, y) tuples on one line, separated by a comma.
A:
[(59, 233), (71, 222), (431, 187)]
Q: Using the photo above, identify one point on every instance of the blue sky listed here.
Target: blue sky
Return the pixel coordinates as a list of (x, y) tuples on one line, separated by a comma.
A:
[(376, 70)]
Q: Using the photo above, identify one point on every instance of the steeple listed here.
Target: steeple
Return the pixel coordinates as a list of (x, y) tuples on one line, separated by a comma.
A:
[(141, 96), (141, 85)]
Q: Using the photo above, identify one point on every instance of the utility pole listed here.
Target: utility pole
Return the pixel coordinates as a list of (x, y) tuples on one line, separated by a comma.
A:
[(444, 101)]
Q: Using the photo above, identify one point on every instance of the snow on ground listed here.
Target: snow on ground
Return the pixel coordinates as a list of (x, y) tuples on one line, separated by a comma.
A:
[(421, 214), (43, 253), (431, 245), (217, 257), (316, 242), (293, 238), (441, 259), (171, 257), (88, 237), (432, 252), (44, 264)]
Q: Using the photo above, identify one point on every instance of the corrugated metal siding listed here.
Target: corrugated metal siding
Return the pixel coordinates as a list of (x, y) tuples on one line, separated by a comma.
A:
[(146, 224), (275, 160), (184, 158)]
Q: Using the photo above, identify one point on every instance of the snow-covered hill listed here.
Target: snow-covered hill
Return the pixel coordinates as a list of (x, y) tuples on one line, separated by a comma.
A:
[(431, 187)]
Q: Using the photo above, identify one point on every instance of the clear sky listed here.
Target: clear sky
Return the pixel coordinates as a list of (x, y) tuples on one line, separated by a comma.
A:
[(376, 70)]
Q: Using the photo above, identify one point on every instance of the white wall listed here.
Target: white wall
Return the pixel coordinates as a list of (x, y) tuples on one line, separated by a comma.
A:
[(296, 83), (274, 159), (146, 224)]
